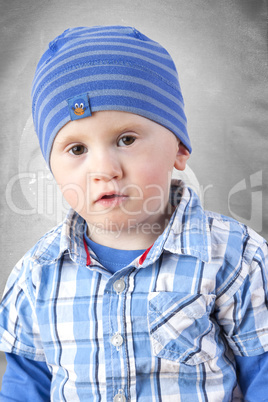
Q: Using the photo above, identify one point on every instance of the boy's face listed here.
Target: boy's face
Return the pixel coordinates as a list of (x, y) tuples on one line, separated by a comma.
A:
[(114, 168)]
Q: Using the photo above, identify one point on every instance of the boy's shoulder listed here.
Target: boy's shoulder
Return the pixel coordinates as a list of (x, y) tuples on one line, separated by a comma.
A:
[(219, 222), (215, 221), (39, 263), (57, 240), (235, 239), (217, 233), (47, 246), (209, 236)]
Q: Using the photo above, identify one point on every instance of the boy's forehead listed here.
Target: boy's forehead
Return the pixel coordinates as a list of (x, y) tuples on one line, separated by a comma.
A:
[(110, 121)]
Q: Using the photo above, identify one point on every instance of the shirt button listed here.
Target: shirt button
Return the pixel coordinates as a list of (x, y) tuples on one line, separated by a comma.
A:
[(119, 398), (119, 286), (117, 340)]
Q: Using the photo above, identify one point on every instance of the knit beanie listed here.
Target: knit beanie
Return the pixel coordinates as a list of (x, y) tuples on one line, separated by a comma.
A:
[(85, 70)]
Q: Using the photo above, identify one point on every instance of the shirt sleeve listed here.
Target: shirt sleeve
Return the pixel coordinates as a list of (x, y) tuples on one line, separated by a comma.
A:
[(25, 380), (252, 373), (19, 329), (243, 315)]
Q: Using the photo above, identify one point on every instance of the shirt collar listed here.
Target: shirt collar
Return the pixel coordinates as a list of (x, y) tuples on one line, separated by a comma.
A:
[(188, 231), (65, 238), (72, 237)]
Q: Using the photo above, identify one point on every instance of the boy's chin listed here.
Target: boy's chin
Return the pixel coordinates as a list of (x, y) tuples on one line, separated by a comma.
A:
[(147, 228)]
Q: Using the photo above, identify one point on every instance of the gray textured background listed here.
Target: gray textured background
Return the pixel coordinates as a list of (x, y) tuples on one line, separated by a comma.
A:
[(220, 49)]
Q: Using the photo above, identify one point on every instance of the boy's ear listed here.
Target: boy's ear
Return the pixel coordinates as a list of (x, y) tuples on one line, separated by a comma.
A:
[(181, 158)]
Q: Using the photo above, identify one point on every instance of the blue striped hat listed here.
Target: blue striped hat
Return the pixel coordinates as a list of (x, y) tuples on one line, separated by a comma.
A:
[(85, 70)]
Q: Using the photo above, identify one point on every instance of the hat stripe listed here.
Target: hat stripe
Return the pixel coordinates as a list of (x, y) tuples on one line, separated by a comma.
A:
[(114, 57), (48, 140), (78, 43)]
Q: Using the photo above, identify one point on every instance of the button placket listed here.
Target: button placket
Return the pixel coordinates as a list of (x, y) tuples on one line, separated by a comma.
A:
[(116, 339)]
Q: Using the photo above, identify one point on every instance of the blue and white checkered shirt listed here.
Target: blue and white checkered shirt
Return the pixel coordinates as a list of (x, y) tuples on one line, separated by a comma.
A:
[(164, 328)]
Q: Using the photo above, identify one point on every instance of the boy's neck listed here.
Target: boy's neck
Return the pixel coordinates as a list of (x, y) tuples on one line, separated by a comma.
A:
[(132, 237)]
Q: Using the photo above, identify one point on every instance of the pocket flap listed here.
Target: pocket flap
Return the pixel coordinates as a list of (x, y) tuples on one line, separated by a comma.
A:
[(180, 326)]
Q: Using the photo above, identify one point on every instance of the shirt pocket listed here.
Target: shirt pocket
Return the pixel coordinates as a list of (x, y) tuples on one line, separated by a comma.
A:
[(180, 327)]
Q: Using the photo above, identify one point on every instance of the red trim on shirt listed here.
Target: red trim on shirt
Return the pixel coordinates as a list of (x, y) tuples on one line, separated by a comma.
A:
[(144, 255), (87, 252)]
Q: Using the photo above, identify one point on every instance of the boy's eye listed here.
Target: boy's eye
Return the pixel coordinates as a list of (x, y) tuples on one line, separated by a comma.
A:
[(126, 140), (78, 150)]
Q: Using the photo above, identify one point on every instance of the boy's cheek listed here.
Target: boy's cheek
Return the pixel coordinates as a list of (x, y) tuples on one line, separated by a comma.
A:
[(74, 195)]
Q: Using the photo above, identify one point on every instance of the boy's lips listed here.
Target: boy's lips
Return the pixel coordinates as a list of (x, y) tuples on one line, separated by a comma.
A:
[(110, 198)]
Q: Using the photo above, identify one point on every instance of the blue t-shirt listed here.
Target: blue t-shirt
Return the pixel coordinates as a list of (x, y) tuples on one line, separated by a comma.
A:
[(35, 378), (111, 258)]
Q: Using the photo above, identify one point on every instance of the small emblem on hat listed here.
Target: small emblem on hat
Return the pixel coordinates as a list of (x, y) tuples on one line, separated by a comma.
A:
[(79, 107)]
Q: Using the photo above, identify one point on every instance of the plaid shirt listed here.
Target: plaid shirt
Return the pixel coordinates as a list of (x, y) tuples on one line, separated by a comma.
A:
[(164, 328)]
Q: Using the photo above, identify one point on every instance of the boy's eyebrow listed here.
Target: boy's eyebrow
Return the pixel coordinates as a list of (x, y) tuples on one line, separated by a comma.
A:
[(77, 136), (66, 138)]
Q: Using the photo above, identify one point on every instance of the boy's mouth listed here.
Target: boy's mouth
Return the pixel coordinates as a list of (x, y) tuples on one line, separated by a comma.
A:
[(110, 198)]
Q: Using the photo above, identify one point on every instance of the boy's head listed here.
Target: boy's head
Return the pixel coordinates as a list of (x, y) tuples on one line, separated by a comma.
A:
[(109, 115), (86, 70)]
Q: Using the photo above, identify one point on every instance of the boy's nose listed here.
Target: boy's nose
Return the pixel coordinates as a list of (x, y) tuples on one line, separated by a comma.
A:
[(105, 167)]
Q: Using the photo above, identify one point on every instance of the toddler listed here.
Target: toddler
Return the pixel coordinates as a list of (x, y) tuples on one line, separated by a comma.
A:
[(140, 294)]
